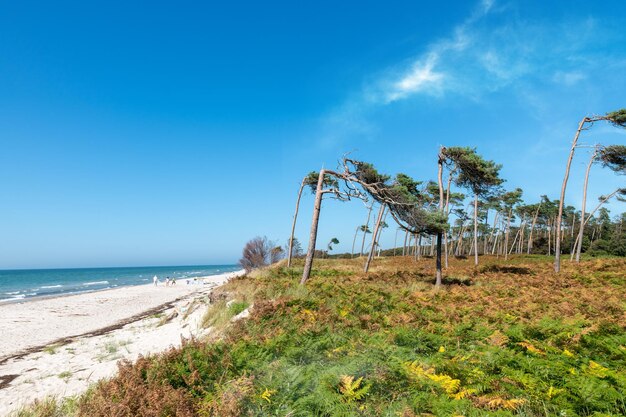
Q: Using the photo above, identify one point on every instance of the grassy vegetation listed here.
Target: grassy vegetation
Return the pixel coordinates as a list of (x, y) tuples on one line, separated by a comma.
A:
[(503, 339), (49, 408)]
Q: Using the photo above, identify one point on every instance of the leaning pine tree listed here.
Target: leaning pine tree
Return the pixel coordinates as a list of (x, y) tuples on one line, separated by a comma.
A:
[(362, 180), (475, 174), (616, 118), (311, 181)]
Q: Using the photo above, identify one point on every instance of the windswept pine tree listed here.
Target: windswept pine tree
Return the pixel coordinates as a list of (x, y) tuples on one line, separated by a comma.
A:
[(361, 180), (616, 118), (328, 182), (476, 174), (612, 157), (309, 180)]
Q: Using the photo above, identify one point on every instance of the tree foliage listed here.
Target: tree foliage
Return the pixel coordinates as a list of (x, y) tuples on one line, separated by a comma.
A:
[(260, 252), (474, 173), (614, 158)]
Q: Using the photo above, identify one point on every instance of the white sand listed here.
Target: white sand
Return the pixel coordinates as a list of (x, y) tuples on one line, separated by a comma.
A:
[(70, 368)]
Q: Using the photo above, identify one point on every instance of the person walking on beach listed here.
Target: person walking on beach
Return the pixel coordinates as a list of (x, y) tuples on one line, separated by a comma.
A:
[(155, 280)]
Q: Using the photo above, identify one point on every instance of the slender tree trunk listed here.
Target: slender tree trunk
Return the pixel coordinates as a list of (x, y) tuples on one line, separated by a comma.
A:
[(494, 233), (532, 229), (590, 216), (419, 247), (374, 238), (406, 235), (459, 245), (520, 246), (476, 229), (514, 241), (319, 192), (439, 233), (395, 242), (506, 235), (367, 225), (438, 265), (293, 224), (447, 211), (559, 218), (486, 236), (584, 206), (380, 234), (549, 238), (495, 243), (356, 232)]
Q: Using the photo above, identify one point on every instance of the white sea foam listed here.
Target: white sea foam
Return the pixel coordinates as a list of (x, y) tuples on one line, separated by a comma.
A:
[(17, 297), (12, 293), (95, 283), (51, 286)]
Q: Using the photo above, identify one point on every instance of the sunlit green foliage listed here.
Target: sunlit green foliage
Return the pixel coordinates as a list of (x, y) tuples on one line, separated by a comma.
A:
[(503, 340)]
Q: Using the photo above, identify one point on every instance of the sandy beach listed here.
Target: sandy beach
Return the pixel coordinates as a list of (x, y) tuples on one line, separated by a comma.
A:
[(59, 346)]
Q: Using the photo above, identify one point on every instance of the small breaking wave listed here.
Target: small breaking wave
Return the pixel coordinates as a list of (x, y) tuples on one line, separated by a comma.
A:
[(86, 284), (17, 297), (51, 286)]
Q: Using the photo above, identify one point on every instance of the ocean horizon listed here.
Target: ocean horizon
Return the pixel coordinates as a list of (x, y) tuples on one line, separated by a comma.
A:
[(23, 284)]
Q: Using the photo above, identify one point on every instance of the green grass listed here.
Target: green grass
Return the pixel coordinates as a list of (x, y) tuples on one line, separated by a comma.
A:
[(49, 408), (503, 339), (51, 349), (65, 375)]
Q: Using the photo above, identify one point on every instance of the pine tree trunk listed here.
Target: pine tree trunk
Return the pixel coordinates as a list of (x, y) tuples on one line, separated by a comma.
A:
[(494, 233), (584, 206), (532, 229), (506, 235), (476, 229), (432, 246), (356, 232), (367, 225), (559, 218), (380, 234), (308, 264), (293, 224), (406, 235), (438, 277), (514, 241), (549, 238), (418, 253), (374, 238), (447, 211), (395, 242)]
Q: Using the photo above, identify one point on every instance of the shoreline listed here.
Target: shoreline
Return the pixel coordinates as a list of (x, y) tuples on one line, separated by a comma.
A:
[(32, 311), (59, 346), (10, 301)]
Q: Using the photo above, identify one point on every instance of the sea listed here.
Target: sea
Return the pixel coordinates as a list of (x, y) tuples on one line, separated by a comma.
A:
[(23, 284)]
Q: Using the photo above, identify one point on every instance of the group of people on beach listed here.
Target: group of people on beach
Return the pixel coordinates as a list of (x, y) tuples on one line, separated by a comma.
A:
[(168, 281)]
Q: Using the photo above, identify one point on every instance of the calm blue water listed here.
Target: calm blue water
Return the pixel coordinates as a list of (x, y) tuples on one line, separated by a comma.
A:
[(27, 283)]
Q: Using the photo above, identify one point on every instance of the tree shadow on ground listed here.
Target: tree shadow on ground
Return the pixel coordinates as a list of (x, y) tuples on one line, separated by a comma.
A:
[(505, 269)]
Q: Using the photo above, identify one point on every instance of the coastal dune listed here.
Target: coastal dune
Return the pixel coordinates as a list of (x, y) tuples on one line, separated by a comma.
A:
[(59, 346)]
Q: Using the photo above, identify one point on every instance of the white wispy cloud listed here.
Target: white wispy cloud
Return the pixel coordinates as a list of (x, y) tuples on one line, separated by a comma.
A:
[(492, 49), (424, 73), (420, 78)]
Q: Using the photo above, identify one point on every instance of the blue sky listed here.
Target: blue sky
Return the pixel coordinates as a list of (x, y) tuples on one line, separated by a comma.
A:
[(162, 133)]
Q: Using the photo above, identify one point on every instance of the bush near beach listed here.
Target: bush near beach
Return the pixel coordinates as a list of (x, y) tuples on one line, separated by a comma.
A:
[(503, 339)]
